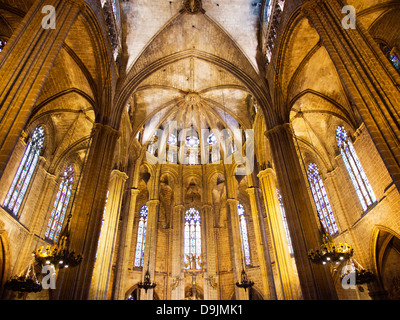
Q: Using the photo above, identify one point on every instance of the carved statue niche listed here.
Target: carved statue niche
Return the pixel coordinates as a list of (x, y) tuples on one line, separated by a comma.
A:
[(193, 195), (166, 200), (218, 197)]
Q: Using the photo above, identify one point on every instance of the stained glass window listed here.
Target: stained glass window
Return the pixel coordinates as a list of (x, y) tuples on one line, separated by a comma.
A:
[(141, 236), (243, 234), (192, 235), (390, 54), (60, 205), (24, 173), (354, 168), (212, 140), (395, 61), (172, 140), (321, 199), (285, 223), (192, 142), (2, 44), (268, 11)]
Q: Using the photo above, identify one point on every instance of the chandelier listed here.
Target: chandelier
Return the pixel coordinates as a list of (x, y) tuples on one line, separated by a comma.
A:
[(245, 282), (27, 283), (59, 255), (147, 284), (362, 276), (330, 253)]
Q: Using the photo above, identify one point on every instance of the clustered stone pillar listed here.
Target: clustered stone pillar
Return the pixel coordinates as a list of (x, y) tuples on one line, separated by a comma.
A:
[(236, 245), (262, 245), (315, 280), (105, 252), (368, 76), (276, 229), (25, 63), (178, 283), (125, 245), (209, 253), (88, 213)]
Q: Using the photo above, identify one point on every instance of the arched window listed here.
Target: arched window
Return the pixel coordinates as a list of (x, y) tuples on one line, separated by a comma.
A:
[(391, 54), (141, 236), (172, 140), (355, 170), (192, 142), (2, 44), (244, 235), (24, 173), (285, 223), (212, 139), (192, 235), (321, 200), (60, 205), (267, 11)]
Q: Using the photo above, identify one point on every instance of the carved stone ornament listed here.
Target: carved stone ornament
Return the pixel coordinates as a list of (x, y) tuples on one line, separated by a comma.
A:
[(192, 6)]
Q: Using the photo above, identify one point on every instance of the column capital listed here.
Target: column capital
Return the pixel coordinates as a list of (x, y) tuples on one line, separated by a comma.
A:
[(50, 176), (252, 190), (134, 191), (280, 127), (153, 202), (106, 128), (232, 201), (266, 172), (118, 174), (42, 161)]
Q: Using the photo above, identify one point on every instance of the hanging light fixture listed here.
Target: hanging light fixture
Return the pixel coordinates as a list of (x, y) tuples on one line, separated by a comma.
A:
[(245, 283), (147, 284), (362, 276), (59, 255), (27, 283), (331, 253)]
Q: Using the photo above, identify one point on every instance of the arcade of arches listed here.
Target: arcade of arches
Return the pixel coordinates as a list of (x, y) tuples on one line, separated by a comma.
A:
[(192, 140)]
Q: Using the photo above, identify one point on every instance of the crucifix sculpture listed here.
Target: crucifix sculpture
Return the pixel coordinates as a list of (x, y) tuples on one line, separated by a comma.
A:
[(194, 267)]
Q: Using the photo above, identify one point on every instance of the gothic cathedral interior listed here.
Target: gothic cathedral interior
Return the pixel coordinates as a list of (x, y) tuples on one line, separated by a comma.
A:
[(199, 150)]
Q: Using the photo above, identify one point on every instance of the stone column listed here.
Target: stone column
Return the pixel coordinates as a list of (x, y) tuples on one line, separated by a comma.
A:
[(315, 280), (236, 246), (25, 63), (178, 277), (149, 260), (88, 210), (210, 276), (262, 246), (105, 252), (277, 231), (125, 246), (370, 79)]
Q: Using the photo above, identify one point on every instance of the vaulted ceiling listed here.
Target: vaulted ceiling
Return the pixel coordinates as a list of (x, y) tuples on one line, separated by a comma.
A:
[(190, 54)]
